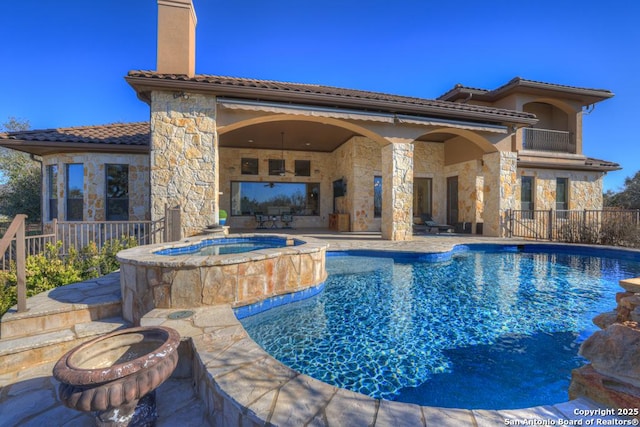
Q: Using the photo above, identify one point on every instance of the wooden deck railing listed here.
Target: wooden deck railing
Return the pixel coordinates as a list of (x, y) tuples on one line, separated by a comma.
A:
[(17, 231), (15, 245)]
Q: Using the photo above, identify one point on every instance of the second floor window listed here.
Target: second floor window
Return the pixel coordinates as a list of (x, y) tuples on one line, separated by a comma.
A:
[(117, 192)]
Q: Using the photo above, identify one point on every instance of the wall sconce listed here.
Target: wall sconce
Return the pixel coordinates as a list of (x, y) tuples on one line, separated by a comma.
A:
[(182, 95)]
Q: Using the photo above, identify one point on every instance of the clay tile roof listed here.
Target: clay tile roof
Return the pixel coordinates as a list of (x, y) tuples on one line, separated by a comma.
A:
[(586, 95), (133, 134), (320, 95)]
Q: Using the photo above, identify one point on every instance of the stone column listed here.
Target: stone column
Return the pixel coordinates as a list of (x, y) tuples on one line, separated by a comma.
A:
[(184, 158), (397, 191), (500, 181)]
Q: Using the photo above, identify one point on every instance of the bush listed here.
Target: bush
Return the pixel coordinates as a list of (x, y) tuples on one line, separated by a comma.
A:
[(50, 269)]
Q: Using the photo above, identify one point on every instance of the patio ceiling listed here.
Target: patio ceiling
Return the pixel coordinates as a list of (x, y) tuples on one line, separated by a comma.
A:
[(298, 136)]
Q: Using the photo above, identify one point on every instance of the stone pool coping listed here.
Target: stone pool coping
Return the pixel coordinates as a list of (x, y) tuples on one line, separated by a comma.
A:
[(146, 256), (241, 384)]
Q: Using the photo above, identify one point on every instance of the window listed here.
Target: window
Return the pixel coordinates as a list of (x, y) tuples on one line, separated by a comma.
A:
[(249, 166), (276, 167), (117, 192), (562, 194), (52, 191), (421, 196), (275, 198), (377, 196), (526, 193), (526, 196), (75, 191), (303, 167)]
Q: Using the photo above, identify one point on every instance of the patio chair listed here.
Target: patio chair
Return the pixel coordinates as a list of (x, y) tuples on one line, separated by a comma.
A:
[(287, 220), (261, 220), (433, 226)]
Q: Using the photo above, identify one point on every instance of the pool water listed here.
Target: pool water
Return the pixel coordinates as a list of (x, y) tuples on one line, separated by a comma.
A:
[(496, 328), (229, 246)]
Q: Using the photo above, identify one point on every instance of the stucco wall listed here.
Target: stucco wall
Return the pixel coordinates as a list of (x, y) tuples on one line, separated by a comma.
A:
[(94, 184)]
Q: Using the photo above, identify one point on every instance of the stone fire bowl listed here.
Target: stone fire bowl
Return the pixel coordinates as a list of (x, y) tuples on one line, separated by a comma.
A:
[(117, 369)]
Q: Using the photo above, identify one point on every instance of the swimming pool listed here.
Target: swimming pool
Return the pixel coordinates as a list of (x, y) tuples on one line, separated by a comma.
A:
[(491, 327)]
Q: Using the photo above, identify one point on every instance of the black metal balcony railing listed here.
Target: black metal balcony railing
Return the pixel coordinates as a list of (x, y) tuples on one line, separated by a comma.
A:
[(548, 140), (604, 227)]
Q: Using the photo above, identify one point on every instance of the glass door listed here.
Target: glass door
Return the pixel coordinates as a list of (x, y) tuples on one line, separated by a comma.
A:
[(452, 200)]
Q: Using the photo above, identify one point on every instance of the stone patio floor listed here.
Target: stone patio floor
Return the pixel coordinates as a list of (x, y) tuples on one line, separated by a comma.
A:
[(30, 398)]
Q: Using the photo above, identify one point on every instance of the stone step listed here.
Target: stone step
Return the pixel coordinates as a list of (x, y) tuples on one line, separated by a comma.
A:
[(20, 353), (62, 308)]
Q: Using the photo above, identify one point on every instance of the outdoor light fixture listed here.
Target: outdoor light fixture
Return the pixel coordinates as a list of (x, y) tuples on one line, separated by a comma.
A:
[(182, 95)]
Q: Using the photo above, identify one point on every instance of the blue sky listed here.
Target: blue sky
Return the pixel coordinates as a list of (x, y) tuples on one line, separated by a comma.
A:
[(64, 62)]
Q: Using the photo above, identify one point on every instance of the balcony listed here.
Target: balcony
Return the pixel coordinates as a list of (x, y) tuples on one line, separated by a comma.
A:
[(548, 140)]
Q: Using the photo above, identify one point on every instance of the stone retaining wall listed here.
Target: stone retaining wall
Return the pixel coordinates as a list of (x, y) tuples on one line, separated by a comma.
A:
[(151, 281)]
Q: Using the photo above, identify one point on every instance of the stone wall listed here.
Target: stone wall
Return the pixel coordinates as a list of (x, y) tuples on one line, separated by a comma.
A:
[(613, 375), (184, 158), (95, 184), (429, 163), (397, 191), (468, 193), (366, 163), (500, 184), (585, 188), (150, 281)]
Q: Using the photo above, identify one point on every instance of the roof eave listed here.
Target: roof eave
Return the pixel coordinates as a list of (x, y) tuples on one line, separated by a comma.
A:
[(582, 167), (43, 148), (144, 85), (585, 95)]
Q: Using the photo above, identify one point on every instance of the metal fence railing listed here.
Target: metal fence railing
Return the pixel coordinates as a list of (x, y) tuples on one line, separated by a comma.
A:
[(548, 140), (606, 227)]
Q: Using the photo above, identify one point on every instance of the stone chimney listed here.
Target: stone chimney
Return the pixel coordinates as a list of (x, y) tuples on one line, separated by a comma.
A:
[(176, 37)]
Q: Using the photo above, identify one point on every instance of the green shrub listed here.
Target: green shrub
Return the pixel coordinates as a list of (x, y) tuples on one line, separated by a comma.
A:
[(50, 269), (8, 291)]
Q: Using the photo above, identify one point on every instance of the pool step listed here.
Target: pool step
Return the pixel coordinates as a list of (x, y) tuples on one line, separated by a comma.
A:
[(19, 353), (62, 308)]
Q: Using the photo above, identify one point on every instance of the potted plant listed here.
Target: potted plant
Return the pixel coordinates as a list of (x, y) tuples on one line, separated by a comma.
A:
[(222, 216)]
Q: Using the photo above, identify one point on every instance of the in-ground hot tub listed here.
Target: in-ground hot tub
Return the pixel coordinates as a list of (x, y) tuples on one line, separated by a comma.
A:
[(187, 274)]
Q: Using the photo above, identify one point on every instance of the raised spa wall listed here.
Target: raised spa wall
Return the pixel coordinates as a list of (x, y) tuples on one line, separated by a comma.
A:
[(149, 281)]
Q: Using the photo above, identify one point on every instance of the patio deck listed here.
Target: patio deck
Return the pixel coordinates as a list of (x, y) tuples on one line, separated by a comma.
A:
[(231, 364)]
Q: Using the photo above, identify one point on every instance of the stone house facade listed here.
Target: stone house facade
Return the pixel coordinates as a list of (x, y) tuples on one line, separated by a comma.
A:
[(262, 147)]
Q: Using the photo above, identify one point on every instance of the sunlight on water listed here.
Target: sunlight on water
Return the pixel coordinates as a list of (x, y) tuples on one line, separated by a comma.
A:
[(439, 333)]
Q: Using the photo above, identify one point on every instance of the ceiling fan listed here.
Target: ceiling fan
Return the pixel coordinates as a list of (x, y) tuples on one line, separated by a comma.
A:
[(282, 171)]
